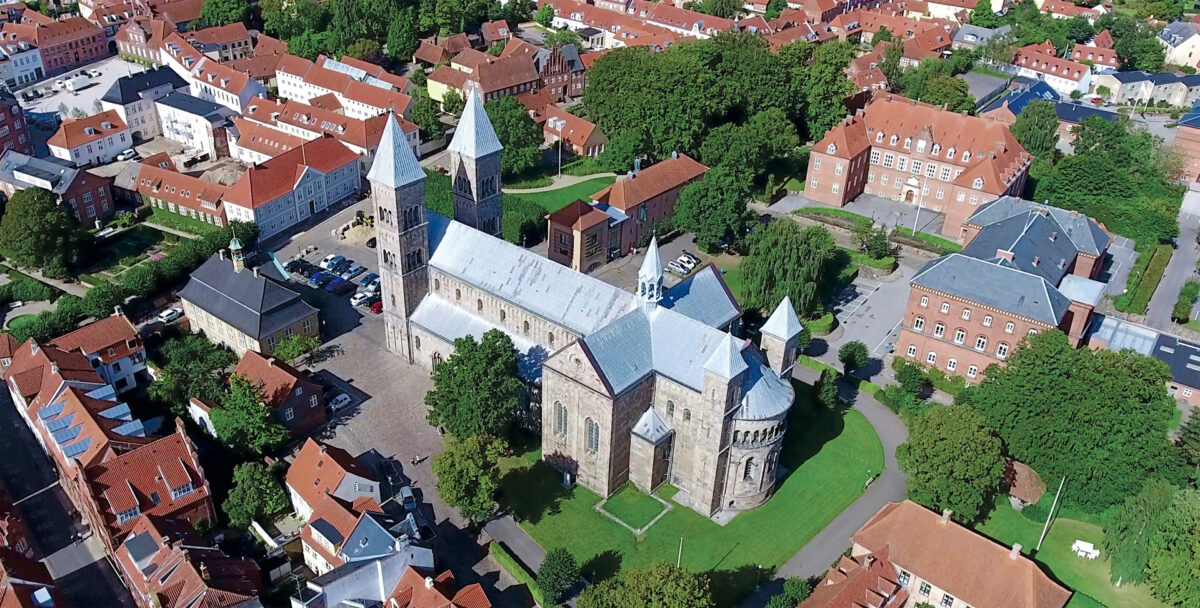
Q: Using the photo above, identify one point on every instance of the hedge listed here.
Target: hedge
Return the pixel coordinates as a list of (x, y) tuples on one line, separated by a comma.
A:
[(951, 385), (926, 241), (822, 324), (848, 219), (1188, 294), (582, 167), (509, 563), (22, 288), (1137, 296)]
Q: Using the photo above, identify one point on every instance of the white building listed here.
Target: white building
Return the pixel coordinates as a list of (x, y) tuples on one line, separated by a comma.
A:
[(96, 139), (21, 63), (196, 123), (293, 186), (362, 89), (224, 85), (132, 98), (1181, 43)]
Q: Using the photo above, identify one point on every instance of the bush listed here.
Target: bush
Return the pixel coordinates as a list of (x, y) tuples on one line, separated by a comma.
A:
[(837, 217), (558, 572), (25, 289), (1188, 295), (910, 376), (902, 402), (515, 569), (583, 166), (1142, 283), (523, 222), (853, 355), (822, 324)]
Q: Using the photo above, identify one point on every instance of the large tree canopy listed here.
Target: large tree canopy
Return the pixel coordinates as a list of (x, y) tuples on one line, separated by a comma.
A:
[(40, 233), (1098, 418), (257, 493), (787, 260), (468, 475), (714, 207), (244, 422), (519, 135), (953, 461), (475, 390), (1036, 129), (660, 585)]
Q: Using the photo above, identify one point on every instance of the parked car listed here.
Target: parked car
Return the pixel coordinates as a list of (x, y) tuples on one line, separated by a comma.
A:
[(338, 285), (129, 154), (674, 267), (341, 266), (372, 287), (340, 401), (95, 73), (170, 314), (60, 83), (407, 498), (361, 298), (377, 307), (685, 262), (366, 280), (691, 256), (330, 260), (353, 271), (320, 280)]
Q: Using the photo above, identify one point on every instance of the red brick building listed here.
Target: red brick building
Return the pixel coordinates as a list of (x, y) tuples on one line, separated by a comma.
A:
[(14, 132), (89, 196), (65, 44), (297, 401), (909, 151), (1026, 268)]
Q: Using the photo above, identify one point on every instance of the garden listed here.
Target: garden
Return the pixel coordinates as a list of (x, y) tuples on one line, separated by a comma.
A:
[(828, 456), (125, 250)]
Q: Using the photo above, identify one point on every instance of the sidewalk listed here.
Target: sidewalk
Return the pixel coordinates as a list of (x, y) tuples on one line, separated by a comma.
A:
[(75, 289), (506, 530)]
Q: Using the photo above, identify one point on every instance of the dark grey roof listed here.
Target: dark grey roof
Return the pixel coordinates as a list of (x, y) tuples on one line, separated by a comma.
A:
[(1036, 242), (994, 283), (1182, 356), (1176, 33), (703, 297), (24, 171), (1087, 236), (328, 531), (127, 89), (194, 105), (570, 53), (141, 547), (258, 306), (370, 539)]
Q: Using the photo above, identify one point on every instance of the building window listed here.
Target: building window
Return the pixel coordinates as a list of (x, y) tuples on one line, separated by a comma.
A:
[(959, 336), (924, 301), (952, 365), (901, 164), (889, 160), (1008, 328), (687, 415), (947, 599), (837, 170), (972, 371), (479, 305), (835, 188), (980, 343), (966, 314), (987, 320), (939, 330), (1032, 332), (931, 358), (945, 307), (593, 436), (924, 588), (874, 157), (918, 323), (312, 401), (1002, 350), (817, 164), (288, 414), (916, 167), (560, 418), (458, 295), (945, 174), (670, 409)]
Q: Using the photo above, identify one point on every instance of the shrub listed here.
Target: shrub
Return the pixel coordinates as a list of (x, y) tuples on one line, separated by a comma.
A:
[(853, 355), (822, 324), (558, 572), (1188, 294), (1137, 298), (509, 563), (523, 222)]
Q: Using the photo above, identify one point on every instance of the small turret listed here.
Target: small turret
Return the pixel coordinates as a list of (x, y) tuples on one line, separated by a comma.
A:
[(780, 335), (235, 252), (650, 277)]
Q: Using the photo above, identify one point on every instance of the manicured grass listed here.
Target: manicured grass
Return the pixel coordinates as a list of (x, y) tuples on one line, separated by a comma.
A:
[(633, 507), (553, 200), (822, 324), (940, 245), (794, 185), (1089, 577), (534, 181), (735, 279), (20, 320), (861, 259), (828, 457), (166, 218)]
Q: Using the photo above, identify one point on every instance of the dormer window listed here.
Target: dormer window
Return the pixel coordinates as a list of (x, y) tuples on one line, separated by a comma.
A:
[(126, 516), (920, 145), (978, 183), (831, 149), (879, 136), (907, 143), (894, 139), (936, 148), (950, 153), (181, 491), (966, 155)]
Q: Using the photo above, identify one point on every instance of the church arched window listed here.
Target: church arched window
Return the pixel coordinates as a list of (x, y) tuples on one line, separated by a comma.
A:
[(593, 436), (748, 474)]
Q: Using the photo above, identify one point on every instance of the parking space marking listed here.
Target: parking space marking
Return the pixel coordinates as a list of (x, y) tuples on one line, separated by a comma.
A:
[(886, 337)]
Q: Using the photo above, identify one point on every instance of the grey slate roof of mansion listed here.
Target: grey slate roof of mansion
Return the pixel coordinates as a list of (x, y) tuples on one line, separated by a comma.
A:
[(256, 305), (994, 283), (1084, 232)]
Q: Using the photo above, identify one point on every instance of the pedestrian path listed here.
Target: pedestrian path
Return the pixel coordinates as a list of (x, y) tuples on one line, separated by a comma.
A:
[(561, 181)]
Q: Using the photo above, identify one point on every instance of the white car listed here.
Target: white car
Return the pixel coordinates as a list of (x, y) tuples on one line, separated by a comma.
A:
[(60, 83), (170, 314), (340, 402), (330, 261), (685, 262), (360, 298), (127, 155), (94, 73)]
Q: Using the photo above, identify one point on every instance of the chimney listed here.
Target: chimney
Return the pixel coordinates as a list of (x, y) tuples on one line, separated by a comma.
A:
[(629, 175), (33, 346), (1053, 236), (54, 368), (429, 582), (1037, 260), (1004, 254), (945, 516), (1016, 551), (255, 271), (117, 311), (221, 253), (674, 154), (271, 361), (204, 572)]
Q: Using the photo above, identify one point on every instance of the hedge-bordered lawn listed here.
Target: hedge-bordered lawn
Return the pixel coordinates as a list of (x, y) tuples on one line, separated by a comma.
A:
[(829, 455), (553, 200), (633, 507)]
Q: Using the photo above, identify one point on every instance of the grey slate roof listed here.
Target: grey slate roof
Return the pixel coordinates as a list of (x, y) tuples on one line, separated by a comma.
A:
[(1036, 242), (371, 539), (1081, 289), (127, 89), (726, 361), (365, 582), (141, 547), (1182, 356), (394, 165), (975, 35), (652, 427), (444, 319), (327, 530), (1087, 236), (474, 137), (194, 105), (704, 297), (783, 322), (996, 284), (1177, 33), (257, 306), (24, 171)]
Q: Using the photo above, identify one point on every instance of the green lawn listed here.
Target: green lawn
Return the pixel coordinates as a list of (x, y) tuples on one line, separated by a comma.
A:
[(20, 320), (553, 200), (633, 507), (828, 456), (1086, 577)]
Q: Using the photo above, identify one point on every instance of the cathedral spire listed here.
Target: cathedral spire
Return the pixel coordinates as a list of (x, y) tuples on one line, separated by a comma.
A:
[(395, 165), (474, 137), (650, 276)]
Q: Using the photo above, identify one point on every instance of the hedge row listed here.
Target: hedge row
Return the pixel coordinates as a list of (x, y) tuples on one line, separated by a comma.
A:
[(25, 289), (1188, 294), (924, 240), (515, 569), (1137, 299), (838, 217)]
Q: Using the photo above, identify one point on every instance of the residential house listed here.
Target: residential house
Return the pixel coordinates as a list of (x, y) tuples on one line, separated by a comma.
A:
[(324, 470), (22, 60), (196, 123), (493, 77), (245, 309), (940, 562), (901, 149), (141, 39), (579, 136), (1064, 9), (286, 190), (869, 578), (363, 89), (1095, 56), (1041, 61), (88, 196), (971, 37), (1025, 268), (585, 236), (111, 17), (1070, 114), (1181, 43), (94, 140), (224, 85), (166, 564), (113, 347), (366, 582), (1133, 88), (64, 45), (14, 130), (494, 32), (418, 589), (616, 28), (222, 43), (1187, 143), (164, 189), (297, 402), (560, 68), (254, 143), (433, 51), (132, 98), (24, 581), (179, 55)]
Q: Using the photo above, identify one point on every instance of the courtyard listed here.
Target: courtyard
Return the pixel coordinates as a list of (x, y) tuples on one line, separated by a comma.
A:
[(556, 198), (828, 456)]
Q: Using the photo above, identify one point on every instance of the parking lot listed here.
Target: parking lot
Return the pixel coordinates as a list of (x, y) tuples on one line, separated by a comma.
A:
[(84, 99)]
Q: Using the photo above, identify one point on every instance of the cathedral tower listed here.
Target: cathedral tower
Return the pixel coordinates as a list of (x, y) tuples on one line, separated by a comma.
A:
[(475, 169), (398, 192)]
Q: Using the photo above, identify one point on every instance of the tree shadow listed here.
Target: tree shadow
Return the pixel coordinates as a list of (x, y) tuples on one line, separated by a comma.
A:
[(529, 493), (602, 566), (729, 586), (807, 434), (818, 347)]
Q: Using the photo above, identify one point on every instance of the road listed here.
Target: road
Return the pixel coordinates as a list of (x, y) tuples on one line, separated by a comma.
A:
[(1181, 268), (815, 557)]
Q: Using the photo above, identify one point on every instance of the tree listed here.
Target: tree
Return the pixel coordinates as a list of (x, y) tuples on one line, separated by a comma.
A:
[(725, 9), (795, 590), (308, 45), (102, 299), (828, 87), (367, 50), (952, 460), (882, 35), (787, 260), (983, 16), (1175, 552), (768, 138), (911, 377), (558, 572), (402, 38), (452, 102), (39, 233), (871, 241), (661, 585), (290, 349), (256, 494), (714, 207), (424, 114), (951, 92), (224, 12), (826, 389), (1098, 418), (561, 37), (890, 65), (853, 355), (468, 475), (520, 136), (244, 422), (1036, 129), (1189, 438), (545, 15), (475, 390), (774, 9), (1130, 534)]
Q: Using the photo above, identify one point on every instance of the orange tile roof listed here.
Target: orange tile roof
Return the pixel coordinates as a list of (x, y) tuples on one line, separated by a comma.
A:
[(65, 30), (1069, 9), (8, 345), (573, 129), (857, 582), (1022, 482), (429, 52), (579, 216), (181, 189), (223, 77), (1042, 58), (418, 590), (77, 132), (318, 469), (112, 332), (277, 378), (1098, 55), (263, 139), (277, 176), (34, 371), (967, 565), (1104, 39), (223, 34), (651, 182)]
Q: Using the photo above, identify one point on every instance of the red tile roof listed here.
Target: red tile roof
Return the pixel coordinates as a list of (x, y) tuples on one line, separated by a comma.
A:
[(223, 77), (264, 139), (418, 590), (318, 469), (77, 132), (1022, 482), (8, 345), (858, 582), (277, 176), (1042, 58), (1104, 39), (651, 182), (223, 34), (64, 31), (578, 216), (574, 130), (182, 190), (113, 333), (277, 379), (967, 565)]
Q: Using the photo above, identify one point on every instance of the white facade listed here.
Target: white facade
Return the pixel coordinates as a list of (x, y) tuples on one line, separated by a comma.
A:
[(194, 131), (237, 102), (312, 193), (141, 115), (22, 64), (1186, 52), (292, 86), (1063, 86), (97, 152), (120, 373)]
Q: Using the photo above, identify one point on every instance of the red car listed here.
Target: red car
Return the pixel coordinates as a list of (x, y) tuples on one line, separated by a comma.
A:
[(377, 308)]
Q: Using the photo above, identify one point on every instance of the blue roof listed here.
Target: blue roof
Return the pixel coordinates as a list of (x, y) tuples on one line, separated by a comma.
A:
[(994, 283), (1018, 99), (1076, 113), (328, 531)]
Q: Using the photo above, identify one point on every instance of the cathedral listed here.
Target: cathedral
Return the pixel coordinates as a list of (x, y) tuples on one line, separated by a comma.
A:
[(652, 387)]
